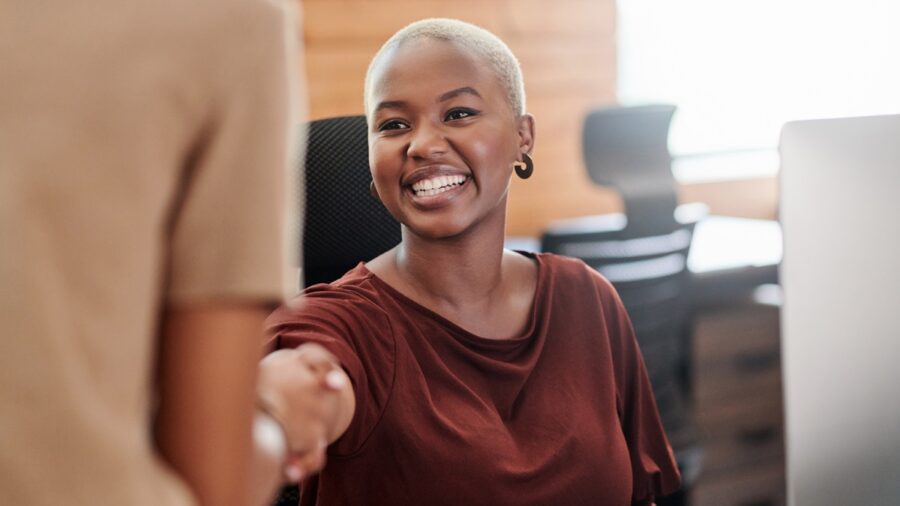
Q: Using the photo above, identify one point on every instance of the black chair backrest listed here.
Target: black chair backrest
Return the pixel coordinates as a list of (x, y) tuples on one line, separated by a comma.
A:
[(627, 148), (343, 223)]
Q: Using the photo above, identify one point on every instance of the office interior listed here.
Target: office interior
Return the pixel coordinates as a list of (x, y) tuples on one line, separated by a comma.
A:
[(731, 168), (734, 74)]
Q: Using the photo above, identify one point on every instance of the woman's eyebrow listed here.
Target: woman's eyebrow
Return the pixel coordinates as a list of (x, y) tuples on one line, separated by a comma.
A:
[(389, 104), (400, 104), (459, 91)]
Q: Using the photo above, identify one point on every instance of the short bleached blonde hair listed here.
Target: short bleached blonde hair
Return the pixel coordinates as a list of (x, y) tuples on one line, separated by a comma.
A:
[(479, 41)]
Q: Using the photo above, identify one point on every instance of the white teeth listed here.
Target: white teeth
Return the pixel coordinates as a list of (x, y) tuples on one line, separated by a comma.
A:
[(438, 184)]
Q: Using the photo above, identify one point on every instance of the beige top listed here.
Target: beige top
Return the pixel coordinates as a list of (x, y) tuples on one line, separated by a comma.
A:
[(142, 161)]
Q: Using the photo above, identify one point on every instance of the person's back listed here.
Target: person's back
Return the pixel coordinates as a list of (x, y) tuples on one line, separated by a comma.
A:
[(111, 113)]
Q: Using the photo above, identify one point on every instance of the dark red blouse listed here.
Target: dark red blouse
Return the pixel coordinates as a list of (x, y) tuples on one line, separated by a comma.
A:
[(561, 415)]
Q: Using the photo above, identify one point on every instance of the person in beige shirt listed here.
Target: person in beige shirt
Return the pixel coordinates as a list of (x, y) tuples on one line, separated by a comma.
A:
[(143, 151)]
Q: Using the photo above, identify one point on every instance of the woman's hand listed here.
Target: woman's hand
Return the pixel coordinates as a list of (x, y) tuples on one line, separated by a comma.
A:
[(309, 394)]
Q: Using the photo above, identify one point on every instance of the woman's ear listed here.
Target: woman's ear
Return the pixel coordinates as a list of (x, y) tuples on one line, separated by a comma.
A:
[(525, 128)]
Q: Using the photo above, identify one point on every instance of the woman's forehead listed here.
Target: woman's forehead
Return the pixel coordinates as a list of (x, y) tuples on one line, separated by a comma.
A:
[(422, 64)]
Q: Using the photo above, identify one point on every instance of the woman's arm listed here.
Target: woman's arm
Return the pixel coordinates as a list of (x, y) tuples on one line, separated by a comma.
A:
[(206, 372)]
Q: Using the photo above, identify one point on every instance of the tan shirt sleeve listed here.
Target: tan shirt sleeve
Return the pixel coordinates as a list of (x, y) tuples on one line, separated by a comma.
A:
[(236, 233)]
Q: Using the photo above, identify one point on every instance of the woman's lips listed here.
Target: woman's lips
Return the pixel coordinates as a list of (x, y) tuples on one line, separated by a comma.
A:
[(438, 190), (437, 184)]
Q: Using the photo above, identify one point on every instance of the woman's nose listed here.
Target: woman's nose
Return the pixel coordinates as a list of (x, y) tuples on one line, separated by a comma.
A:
[(426, 142)]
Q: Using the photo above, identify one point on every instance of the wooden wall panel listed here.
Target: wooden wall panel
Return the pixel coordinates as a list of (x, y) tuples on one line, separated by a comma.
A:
[(567, 53), (568, 56)]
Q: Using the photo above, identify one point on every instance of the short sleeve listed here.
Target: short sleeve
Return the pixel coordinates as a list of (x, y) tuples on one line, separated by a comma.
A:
[(230, 229), (654, 470), (355, 331)]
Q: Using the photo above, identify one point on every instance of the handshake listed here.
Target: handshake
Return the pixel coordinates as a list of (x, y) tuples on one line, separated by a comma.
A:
[(306, 402)]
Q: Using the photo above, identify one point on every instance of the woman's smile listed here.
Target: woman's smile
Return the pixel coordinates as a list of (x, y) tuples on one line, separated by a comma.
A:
[(443, 136), (437, 191)]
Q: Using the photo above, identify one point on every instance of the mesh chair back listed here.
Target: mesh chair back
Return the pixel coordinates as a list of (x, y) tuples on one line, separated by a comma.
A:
[(343, 223)]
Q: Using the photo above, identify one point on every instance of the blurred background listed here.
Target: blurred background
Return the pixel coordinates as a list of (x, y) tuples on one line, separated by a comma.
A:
[(702, 289), (736, 70)]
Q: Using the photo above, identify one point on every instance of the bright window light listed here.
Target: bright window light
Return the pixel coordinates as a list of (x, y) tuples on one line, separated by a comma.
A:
[(737, 70)]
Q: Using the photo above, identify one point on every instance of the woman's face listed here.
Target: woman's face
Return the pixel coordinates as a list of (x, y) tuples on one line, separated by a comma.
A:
[(442, 138)]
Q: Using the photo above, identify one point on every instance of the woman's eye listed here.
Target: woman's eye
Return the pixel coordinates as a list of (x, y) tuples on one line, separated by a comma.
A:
[(460, 114), (392, 124)]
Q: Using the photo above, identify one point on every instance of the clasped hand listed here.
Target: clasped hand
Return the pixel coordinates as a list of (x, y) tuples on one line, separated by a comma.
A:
[(306, 391)]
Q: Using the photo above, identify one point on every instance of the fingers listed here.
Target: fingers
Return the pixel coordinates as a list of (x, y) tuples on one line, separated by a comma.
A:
[(305, 452), (316, 358), (300, 465), (336, 380), (315, 355), (307, 365), (312, 355), (322, 363)]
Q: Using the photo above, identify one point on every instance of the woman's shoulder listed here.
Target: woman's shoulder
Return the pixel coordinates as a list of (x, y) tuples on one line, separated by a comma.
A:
[(572, 272), (571, 285), (354, 296)]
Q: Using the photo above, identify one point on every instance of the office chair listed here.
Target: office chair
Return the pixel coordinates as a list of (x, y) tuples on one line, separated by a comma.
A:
[(643, 252), (627, 148), (343, 223)]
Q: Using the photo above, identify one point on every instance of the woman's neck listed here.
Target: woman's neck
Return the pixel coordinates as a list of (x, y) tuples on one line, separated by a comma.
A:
[(454, 270), (459, 271), (470, 279)]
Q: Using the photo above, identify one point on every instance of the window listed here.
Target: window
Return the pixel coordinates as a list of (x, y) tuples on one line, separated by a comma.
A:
[(737, 70)]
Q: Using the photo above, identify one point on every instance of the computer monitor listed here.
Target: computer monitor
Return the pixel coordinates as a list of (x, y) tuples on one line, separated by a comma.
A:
[(840, 212)]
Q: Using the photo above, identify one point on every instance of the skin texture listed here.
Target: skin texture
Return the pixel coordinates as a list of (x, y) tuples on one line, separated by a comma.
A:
[(206, 374)]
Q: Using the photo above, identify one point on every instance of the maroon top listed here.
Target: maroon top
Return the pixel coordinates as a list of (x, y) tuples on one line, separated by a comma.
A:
[(560, 415)]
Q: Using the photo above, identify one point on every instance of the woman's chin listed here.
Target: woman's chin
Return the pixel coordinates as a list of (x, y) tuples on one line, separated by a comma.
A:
[(437, 229)]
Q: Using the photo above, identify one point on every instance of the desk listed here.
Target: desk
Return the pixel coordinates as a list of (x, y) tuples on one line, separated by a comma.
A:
[(731, 256), (735, 370), (728, 258)]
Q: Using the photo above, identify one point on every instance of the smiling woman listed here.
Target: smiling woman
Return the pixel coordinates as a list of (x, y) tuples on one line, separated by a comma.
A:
[(438, 108), (480, 375)]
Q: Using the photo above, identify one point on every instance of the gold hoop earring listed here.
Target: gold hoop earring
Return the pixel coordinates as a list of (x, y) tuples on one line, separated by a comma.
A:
[(525, 168)]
